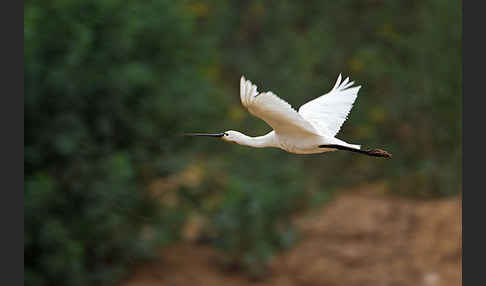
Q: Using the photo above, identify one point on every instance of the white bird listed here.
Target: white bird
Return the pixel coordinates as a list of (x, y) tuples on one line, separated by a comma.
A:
[(310, 130)]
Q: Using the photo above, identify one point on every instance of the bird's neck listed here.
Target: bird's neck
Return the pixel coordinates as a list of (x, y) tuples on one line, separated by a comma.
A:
[(259, 141)]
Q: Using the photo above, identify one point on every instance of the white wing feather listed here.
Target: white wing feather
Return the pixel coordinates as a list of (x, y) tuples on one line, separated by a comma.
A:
[(273, 110), (328, 112)]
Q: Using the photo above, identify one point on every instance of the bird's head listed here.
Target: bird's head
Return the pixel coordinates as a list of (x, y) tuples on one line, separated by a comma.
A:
[(232, 136)]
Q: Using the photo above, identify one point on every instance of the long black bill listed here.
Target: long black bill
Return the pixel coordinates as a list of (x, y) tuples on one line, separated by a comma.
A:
[(205, 134)]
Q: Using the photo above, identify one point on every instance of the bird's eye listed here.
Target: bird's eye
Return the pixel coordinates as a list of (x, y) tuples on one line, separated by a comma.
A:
[(225, 134)]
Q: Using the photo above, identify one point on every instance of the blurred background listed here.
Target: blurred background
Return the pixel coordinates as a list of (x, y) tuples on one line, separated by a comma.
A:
[(111, 187)]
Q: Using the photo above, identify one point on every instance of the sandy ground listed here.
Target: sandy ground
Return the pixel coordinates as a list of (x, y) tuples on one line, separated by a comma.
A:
[(361, 238)]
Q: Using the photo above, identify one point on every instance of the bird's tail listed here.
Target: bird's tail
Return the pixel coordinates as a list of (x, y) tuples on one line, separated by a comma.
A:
[(345, 144), (342, 143), (355, 146)]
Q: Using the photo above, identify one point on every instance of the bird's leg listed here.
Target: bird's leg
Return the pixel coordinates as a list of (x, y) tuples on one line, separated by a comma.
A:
[(370, 152), (379, 153)]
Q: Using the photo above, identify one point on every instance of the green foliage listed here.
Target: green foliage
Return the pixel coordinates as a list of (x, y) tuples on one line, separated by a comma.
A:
[(105, 84), (89, 229), (252, 221), (109, 86)]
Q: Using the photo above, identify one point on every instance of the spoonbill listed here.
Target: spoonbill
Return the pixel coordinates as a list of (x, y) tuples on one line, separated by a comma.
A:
[(311, 129)]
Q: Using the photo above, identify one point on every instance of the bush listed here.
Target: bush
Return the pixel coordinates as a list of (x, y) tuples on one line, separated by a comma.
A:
[(253, 222), (105, 82)]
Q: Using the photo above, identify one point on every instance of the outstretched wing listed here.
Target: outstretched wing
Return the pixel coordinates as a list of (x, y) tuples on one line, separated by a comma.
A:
[(273, 110), (328, 112)]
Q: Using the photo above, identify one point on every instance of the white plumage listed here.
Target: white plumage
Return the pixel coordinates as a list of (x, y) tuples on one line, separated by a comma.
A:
[(329, 111), (273, 110), (310, 130)]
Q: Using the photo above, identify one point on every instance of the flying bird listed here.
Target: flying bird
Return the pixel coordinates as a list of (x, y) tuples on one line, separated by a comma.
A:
[(311, 129)]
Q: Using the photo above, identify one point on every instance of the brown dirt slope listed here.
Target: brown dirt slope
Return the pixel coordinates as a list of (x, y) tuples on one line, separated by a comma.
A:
[(361, 238)]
